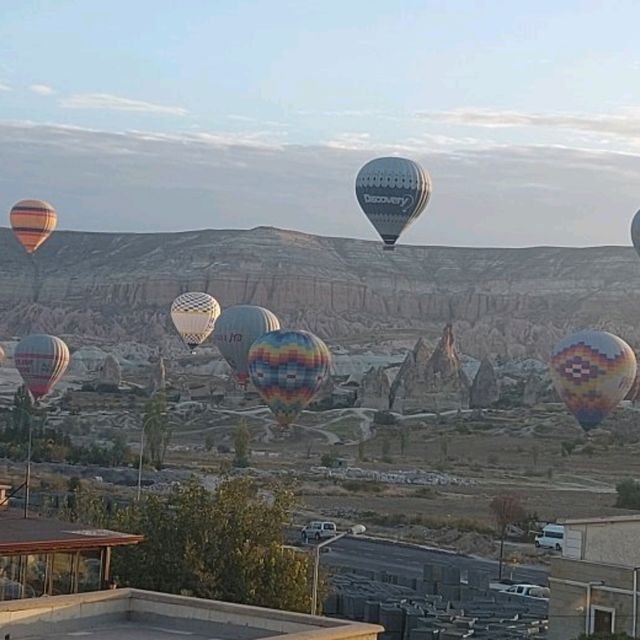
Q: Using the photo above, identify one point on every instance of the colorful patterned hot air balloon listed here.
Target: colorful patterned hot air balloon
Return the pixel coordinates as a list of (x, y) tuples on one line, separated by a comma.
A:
[(592, 371), (237, 328), (194, 315), (392, 192), (33, 221), (288, 368), (41, 360)]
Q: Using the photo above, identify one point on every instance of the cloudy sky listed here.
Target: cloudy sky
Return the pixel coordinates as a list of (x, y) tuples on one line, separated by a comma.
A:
[(160, 115)]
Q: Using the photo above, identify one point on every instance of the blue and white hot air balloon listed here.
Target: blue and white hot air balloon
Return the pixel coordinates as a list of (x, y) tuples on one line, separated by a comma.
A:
[(392, 192)]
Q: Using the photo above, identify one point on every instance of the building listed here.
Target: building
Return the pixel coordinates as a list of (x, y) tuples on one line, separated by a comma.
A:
[(146, 615), (43, 556), (595, 584)]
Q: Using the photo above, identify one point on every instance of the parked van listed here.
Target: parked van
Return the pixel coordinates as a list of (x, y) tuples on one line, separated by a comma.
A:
[(552, 537)]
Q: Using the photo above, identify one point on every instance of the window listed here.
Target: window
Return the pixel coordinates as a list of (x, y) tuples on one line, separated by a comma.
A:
[(62, 573), (603, 620), (89, 570)]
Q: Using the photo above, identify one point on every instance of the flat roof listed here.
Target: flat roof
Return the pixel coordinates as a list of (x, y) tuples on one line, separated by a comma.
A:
[(602, 520), (146, 615), (39, 535)]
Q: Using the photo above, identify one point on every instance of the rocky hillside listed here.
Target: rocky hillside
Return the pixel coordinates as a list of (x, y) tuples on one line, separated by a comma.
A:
[(107, 288)]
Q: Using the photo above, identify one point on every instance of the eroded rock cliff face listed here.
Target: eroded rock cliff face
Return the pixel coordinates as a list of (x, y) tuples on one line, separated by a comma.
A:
[(108, 288)]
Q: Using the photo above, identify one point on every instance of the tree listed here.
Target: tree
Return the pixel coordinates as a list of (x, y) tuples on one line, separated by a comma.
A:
[(386, 451), (535, 454), (226, 546), (404, 440), (628, 494), (241, 442), (361, 450), (209, 442), (506, 510), (444, 447), (157, 430)]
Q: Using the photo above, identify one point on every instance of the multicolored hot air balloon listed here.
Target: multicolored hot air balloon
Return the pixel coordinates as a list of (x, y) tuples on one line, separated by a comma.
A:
[(392, 192), (41, 360), (33, 221), (194, 315), (288, 368), (592, 371), (237, 328)]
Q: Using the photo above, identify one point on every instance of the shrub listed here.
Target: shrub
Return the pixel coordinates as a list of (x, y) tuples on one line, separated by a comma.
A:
[(628, 494)]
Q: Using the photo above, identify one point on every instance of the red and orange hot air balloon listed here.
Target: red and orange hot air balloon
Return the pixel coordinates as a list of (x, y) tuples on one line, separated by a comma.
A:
[(41, 360), (33, 221)]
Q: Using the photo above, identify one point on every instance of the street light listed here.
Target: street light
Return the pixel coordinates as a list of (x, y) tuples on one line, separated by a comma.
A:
[(355, 530)]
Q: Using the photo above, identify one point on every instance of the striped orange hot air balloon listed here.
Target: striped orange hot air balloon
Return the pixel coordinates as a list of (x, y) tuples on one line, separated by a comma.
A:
[(33, 221)]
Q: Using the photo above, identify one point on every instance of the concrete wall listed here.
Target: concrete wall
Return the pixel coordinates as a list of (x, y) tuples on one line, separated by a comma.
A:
[(567, 606), (611, 543), (76, 612)]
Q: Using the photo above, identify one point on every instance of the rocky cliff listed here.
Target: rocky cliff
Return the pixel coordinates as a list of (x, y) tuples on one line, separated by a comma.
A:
[(105, 288)]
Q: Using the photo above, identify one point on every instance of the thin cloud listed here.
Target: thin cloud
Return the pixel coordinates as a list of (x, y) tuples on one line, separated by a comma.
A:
[(5, 87), (483, 196), (42, 89), (622, 124), (108, 102)]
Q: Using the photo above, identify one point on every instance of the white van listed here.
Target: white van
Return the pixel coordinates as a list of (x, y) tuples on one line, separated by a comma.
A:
[(552, 537), (318, 530)]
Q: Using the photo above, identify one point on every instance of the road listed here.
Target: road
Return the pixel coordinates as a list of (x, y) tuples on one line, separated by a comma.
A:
[(396, 558)]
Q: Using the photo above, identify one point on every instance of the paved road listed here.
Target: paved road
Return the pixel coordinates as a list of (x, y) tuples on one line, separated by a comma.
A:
[(363, 553)]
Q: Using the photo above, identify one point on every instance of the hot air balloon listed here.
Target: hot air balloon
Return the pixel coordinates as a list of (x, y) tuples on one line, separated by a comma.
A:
[(194, 315), (392, 192), (592, 371), (237, 329), (635, 232), (41, 360), (33, 221), (288, 368)]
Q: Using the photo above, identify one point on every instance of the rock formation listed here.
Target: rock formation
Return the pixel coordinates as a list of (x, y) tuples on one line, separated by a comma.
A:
[(374, 390), (110, 375), (410, 380), (484, 390), (441, 386), (534, 388), (517, 302)]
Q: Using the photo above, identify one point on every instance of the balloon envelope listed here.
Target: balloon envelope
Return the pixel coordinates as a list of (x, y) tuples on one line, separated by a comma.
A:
[(194, 315), (592, 371), (237, 329), (635, 232), (33, 221), (288, 368), (392, 192), (41, 360)]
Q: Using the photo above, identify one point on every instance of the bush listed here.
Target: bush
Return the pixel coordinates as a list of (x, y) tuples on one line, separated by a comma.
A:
[(384, 418), (329, 460), (628, 494)]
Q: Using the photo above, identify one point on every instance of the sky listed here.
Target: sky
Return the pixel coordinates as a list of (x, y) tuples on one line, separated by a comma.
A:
[(167, 116)]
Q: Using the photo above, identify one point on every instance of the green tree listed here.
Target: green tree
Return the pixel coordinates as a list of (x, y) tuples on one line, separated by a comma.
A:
[(241, 445), (226, 546), (157, 430), (444, 447), (386, 451), (405, 436), (628, 494), (209, 442), (361, 450)]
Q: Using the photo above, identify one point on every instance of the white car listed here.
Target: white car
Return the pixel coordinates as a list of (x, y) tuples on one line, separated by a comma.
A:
[(528, 591), (319, 530)]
